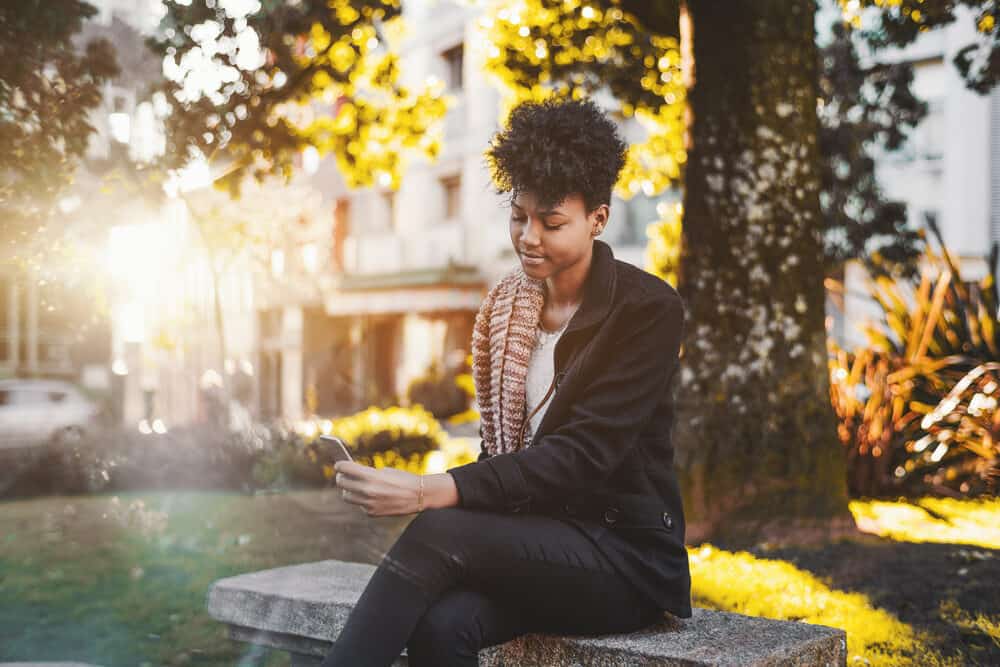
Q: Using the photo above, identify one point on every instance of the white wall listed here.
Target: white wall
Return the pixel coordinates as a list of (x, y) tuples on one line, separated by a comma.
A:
[(949, 165)]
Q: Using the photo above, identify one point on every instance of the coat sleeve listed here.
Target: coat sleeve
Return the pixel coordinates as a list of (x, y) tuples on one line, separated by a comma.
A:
[(602, 426)]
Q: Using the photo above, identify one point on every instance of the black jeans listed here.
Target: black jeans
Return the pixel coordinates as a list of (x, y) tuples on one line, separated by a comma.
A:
[(458, 580)]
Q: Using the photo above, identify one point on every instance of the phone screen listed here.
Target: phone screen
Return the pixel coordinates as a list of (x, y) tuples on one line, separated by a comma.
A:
[(340, 452)]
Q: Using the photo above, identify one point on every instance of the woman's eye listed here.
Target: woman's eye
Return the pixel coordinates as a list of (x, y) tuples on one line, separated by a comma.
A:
[(523, 220)]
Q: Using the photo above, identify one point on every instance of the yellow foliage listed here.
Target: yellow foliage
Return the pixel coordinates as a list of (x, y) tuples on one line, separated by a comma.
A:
[(469, 415), (448, 455), (967, 521), (663, 251), (396, 423), (987, 624), (742, 583), (466, 383), (549, 38), (372, 120), (851, 10)]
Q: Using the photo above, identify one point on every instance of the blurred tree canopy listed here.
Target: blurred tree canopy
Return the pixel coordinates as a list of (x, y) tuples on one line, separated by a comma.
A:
[(571, 48), (862, 107), (48, 87), (253, 84), (872, 105), (898, 23)]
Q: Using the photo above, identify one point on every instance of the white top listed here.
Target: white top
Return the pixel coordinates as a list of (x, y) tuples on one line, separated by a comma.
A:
[(541, 367)]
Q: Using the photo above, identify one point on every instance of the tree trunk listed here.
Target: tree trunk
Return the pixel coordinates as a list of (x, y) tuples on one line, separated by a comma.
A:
[(756, 436)]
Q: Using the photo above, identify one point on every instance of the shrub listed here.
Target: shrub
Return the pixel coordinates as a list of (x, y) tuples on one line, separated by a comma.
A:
[(119, 459), (265, 456), (443, 393), (918, 407), (397, 437)]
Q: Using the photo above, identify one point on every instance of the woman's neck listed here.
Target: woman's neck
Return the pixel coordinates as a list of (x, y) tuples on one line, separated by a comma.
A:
[(565, 289)]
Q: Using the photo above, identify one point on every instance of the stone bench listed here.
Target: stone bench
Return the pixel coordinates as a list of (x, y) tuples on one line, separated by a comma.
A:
[(301, 609)]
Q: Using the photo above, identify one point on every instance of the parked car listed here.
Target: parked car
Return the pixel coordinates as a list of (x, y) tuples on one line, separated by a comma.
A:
[(38, 413)]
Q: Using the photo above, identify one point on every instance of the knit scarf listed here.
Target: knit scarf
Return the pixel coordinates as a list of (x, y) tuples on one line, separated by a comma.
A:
[(502, 341)]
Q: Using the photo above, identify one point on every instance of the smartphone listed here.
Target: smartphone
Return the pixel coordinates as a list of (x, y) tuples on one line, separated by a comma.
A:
[(340, 452)]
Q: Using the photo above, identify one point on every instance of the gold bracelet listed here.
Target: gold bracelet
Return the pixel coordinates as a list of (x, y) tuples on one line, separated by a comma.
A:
[(420, 496)]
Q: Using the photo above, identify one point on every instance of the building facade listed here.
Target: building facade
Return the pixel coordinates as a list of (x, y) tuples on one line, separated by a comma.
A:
[(359, 292), (407, 269), (949, 168)]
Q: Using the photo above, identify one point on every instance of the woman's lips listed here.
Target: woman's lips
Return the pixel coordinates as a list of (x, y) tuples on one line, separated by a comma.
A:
[(528, 259)]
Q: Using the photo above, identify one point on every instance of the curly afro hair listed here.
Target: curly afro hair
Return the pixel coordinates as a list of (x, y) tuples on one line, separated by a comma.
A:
[(555, 148)]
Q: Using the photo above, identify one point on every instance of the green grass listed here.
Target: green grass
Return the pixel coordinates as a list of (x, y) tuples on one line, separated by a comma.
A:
[(123, 582)]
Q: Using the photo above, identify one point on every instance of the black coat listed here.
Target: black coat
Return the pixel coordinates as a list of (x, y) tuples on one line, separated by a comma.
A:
[(602, 458)]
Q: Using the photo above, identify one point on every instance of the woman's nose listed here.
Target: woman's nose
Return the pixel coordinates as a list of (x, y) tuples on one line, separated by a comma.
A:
[(529, 235)]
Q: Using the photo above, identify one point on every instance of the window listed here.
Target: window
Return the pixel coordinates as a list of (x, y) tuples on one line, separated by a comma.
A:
[(453, 59), (341, 230), (451, 186), (925, 142), (928, 136), (389, 207), (270, 323)]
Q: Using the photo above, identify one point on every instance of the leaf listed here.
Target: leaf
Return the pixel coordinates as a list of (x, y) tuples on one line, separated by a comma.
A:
[(940, 291)]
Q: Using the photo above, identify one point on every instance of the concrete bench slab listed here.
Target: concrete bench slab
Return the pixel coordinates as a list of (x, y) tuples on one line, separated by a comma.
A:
[(301, 609)]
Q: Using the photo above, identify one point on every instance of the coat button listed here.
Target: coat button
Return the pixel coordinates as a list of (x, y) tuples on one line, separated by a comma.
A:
[(611, 514), (569, 509), (668, 521), (516, 509)]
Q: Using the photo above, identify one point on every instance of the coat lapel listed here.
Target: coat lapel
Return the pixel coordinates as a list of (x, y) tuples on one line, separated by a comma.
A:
[(598, 295), (504, 337)]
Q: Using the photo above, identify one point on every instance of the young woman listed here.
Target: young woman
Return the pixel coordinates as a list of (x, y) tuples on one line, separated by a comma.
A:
[(570, 521)]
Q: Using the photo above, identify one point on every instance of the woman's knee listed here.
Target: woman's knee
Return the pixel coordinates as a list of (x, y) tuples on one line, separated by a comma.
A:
[(448, 629)]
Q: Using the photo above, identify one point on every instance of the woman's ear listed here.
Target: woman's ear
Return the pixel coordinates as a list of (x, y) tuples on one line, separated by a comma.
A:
[(599, 219)]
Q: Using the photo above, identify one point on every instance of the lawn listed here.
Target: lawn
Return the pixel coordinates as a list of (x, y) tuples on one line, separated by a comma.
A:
[(121, 580)]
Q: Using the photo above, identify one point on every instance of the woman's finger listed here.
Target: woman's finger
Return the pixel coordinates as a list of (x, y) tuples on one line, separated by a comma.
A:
[(355, 486), (355, 472), (352, 468), (353, 497)]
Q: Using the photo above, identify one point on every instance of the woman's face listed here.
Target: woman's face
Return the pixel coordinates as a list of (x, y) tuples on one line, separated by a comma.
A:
[(548, 241)]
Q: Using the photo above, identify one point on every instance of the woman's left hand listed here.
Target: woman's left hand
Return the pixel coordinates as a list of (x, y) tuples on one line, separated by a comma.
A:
[(379, 491)]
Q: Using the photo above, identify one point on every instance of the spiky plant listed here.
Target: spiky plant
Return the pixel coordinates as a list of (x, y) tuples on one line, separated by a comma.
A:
[(918, 407)]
